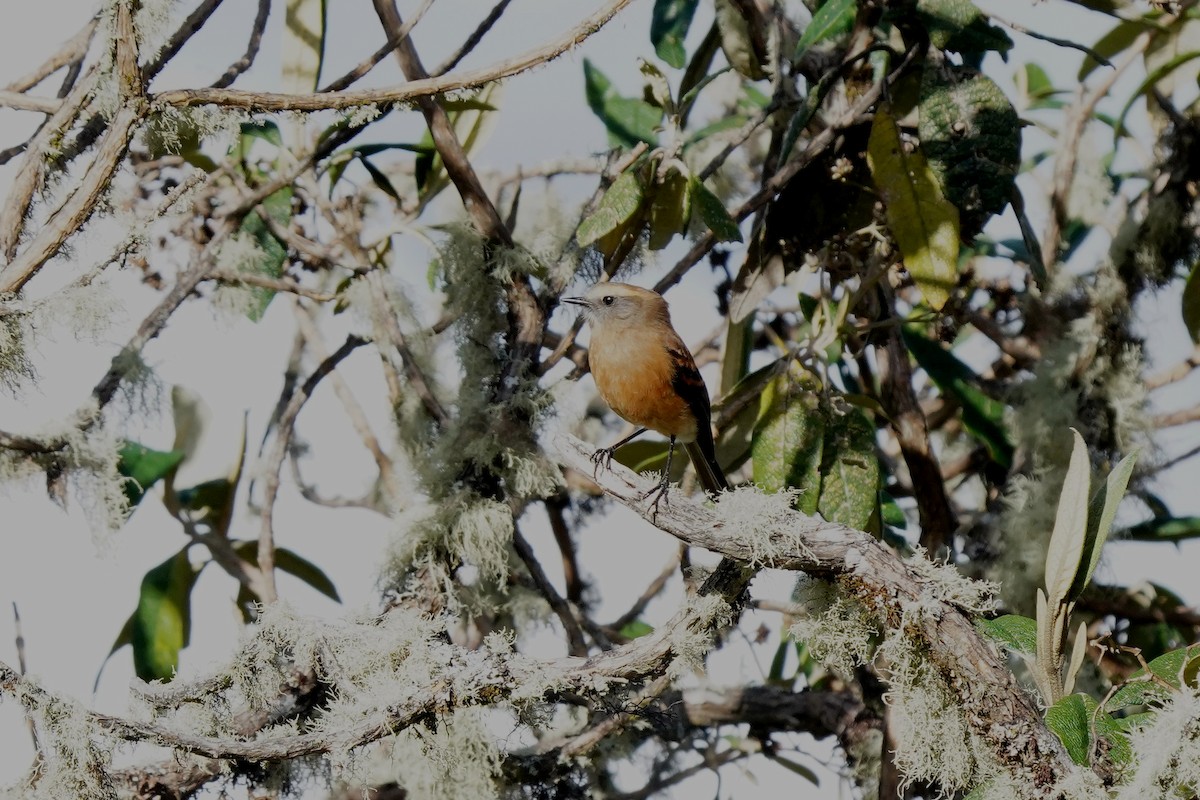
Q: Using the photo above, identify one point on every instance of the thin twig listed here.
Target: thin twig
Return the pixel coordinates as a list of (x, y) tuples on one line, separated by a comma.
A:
[(247, 60), (576, 645), (473, 40), (369, 63), (1176, 373), (274, 462)]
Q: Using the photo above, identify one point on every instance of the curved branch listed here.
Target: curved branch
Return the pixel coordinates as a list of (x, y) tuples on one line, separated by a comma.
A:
[(410, 91)]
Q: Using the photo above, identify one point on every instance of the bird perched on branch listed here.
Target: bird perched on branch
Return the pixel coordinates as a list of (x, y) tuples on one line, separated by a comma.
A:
[(646, 374)]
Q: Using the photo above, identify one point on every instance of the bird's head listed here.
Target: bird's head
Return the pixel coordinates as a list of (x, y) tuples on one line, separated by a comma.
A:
[(619, 302)]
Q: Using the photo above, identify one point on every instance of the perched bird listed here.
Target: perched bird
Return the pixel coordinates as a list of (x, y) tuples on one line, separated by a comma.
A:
[(644, 371)]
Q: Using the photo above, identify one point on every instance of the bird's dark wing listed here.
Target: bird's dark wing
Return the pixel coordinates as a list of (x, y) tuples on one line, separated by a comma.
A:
[(689, 385)]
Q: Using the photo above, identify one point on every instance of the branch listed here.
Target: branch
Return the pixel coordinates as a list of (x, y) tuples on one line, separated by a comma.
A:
[(242, 64), (999, 711), (408, 92)]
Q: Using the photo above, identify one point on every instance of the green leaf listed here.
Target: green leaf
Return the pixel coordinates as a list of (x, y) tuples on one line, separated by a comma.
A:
[(380, 180), (923, 222), (1065, 553), (619, 204), (293, 564), (959, 26), (1138, 689), (850, 473), (265, 130), (982, 416), (1190, 306), (628, 120), (833, 19), (1110, 44), (160, 626), (635, 629), (668, 28), (1165, 529), (971, 135), (890, 511), (1151, 80), (1012, 631), (737, 40), (272, 253), (143, 467), (1077, 722), (779, 661), (788, 439), (1070, 719), (1101, 512), (713, 213), (670, 208), (460, 104), (799, 769)]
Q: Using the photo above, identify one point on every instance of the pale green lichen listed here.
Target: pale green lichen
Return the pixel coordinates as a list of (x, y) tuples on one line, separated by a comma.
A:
[(766, 523), (839, 631), (1166, 753), (691, 642), (943, 583)]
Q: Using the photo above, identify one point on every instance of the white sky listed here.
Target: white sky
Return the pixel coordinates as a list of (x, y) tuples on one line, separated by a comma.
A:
[(73, 596)]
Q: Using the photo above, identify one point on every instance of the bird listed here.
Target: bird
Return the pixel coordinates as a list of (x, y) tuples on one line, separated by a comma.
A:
[(647, 375)]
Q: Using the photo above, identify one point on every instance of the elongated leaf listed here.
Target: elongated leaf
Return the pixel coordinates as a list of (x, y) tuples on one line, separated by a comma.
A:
[(272, 253), (160, 626), (293, 564), (380, 179), (628, 120), (850, 473), (833, 19), (788, 439), (737, 40), (1012, 631), (923, 222), (982, 416), (1065, 553), (670, 208), (1190, 306), (1151, 80), (1166, 529), (143, 467), (635, 630), (1078, 651), (1110, 44), (1070, 719), (1101, 512), (619, 204), (668, 28), (799, 769), (712, 212)]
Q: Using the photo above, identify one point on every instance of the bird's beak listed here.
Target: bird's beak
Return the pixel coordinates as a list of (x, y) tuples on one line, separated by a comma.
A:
[(576, 301)]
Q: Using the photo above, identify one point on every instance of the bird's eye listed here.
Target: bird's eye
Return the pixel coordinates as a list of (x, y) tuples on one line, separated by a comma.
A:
[(608, 299)]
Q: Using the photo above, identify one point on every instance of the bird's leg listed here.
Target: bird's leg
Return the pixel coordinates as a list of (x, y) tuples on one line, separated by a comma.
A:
[(605, 454), (660, 491)]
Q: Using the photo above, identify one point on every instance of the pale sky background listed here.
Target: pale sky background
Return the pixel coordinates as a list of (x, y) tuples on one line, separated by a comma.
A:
[(74, 590)]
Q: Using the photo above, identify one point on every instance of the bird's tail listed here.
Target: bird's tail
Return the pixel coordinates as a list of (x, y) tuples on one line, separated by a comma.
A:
[(712, 478)]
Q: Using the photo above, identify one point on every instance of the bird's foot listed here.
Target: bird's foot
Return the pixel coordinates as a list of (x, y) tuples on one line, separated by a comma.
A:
[(602, 458), (659, 493)]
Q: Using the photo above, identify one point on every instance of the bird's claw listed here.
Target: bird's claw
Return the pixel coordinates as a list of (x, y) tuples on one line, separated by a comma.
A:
[(601, 458), (659, 492)]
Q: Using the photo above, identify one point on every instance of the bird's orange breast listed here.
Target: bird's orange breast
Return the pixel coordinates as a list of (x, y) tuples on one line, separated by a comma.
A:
[(634, 374)]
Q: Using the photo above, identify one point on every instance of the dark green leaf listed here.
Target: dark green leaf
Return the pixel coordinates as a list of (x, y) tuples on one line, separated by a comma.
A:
[(465, 104), (619, 204), (833, 19), (971, 134), (1012, 631), (272, 253), (294, 565), (380, 180), (778, 661), (788, 438), (265, 130), (890, 511), (628, 120), (713, 213), (959, 26), (849, 470), (923, 222), (1138, 689), (1191, 303), (1167, 529), (668, 28), (799, 769), (1070, 719), (143, 467), (982, 416)]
